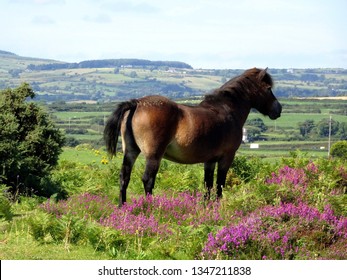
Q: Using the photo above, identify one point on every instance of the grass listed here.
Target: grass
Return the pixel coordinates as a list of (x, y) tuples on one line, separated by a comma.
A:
[(79, 116), (274, 156), (176, 223), (17, 243), (80, 155), (291, 120), (93, 136), (275, 151)]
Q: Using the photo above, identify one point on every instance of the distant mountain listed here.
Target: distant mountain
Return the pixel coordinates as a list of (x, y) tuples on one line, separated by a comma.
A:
[(101, 63), (96, 79), (121, 79), (110, 63), (10, 61), (7, 53)]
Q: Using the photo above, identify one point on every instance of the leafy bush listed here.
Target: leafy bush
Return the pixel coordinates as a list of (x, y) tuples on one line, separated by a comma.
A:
[(105, 239), (29, 143), (189, 177), (5, 204), (39, 225), (247, 168), (339, 150), (68, 229)]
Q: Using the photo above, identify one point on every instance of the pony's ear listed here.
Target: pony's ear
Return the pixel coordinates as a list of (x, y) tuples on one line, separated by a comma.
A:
[(262, 74)]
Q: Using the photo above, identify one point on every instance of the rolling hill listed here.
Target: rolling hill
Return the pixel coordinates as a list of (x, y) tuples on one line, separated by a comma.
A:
[(119, 79)]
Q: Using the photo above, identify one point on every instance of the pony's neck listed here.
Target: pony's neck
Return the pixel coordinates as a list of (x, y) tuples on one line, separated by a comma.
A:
[(240, 110), (235, 105)]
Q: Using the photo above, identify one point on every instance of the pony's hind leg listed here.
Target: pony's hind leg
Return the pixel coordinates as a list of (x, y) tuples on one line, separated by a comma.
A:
[(127, 166), (148, 178)]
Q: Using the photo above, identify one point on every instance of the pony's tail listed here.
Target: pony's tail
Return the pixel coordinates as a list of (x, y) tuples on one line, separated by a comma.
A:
[(112, 128)]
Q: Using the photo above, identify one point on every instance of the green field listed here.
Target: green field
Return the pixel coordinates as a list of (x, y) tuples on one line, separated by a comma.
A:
[(89, 83), (282, 135), (291, 120)]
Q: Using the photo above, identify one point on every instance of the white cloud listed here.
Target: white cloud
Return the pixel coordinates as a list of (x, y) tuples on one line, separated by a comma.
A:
[(129, 7), (42, 19), (37, 2), (101, 18)]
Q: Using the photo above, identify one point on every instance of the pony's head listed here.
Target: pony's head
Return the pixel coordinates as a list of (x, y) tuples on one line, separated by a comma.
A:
[(261, 96), (254, 86)]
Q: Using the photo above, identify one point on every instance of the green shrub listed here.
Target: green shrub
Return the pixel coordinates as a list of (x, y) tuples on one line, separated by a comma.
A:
[(5, 204), (248, 168), (68, 228), (105, 239), (339, 150), (29, 142), (39, 224)]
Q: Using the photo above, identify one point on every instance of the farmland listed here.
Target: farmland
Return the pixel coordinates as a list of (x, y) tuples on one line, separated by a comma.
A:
[(85, 124), (114, 80)]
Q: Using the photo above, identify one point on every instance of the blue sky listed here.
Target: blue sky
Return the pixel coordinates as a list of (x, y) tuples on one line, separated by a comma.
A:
[(203, 33)]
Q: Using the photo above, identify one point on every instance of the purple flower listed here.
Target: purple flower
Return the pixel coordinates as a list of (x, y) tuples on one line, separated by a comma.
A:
[(288, 175), (276, 230)]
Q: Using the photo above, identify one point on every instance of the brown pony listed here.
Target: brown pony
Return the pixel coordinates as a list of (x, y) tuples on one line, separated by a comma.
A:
[(208, 133)]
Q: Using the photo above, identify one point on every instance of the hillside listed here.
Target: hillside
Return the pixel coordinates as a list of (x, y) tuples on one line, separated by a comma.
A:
[(119, 79), (109, 63)]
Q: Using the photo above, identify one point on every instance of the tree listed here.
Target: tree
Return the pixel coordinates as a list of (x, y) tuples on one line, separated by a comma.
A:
[(255, 127), (342, 133), (323, 127), (257, 122), (339, 149), (133, 74), (29, 142), (253, 134), (116, 70), (306, 127)]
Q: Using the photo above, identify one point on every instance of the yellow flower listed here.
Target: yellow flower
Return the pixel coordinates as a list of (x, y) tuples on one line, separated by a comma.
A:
[(104, 161)]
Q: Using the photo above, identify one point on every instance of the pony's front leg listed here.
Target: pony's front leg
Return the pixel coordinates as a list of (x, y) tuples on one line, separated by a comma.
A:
[(208, 178), (148, 178), (223, 167), (221, 178)]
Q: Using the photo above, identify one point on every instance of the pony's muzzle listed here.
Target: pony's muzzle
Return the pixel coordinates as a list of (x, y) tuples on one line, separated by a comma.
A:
[(276, 109)]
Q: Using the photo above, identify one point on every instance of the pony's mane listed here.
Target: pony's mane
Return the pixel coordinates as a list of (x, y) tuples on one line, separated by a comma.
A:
[(242, 83)]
